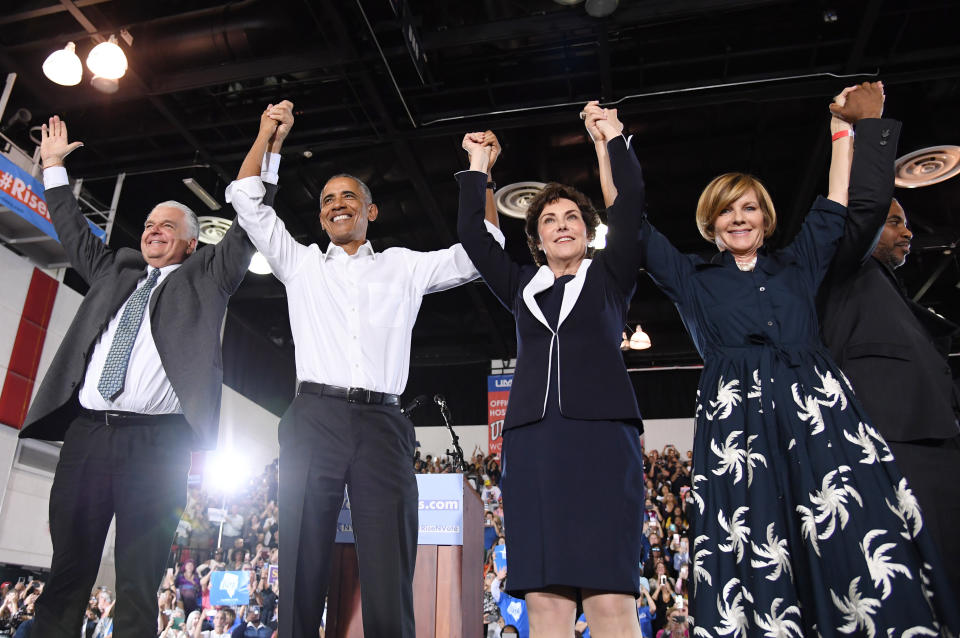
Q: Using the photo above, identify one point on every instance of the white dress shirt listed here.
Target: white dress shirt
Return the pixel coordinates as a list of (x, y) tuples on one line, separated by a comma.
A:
[(351, 315), (146, 389)]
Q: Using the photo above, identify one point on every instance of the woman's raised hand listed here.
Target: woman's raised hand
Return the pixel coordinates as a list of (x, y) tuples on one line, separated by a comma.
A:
[(477, 150)]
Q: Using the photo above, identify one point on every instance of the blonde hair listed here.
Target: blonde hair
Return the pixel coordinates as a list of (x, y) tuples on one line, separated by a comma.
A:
[(725, 189)]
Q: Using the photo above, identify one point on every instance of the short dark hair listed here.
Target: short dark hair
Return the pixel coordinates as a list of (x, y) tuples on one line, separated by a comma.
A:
[(367, 195), (551, 193)]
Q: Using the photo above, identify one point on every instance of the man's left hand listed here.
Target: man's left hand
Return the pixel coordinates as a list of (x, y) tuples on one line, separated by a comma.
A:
[(862, 102)]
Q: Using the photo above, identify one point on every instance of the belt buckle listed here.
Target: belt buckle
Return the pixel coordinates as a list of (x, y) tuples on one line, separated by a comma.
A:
[(358, 395)]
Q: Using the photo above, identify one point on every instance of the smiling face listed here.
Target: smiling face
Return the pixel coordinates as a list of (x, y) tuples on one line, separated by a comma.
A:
[(740, 226), (894, 243), (563, 233), (345, 213), (166, 237)]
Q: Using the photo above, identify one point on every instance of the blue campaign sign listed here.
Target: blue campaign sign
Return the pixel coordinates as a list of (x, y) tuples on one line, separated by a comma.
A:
[(230, 588), (500, 557), (23, 194), (440, 509)]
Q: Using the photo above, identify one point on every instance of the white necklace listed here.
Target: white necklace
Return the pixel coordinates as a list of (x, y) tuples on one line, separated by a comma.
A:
[(746, 266)]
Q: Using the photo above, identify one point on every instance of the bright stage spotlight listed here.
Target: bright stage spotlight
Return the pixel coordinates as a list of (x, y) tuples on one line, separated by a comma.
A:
[(226, 471)]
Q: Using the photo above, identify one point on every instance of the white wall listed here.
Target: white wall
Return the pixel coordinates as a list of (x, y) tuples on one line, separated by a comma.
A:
[(435, 441), (657, 433)]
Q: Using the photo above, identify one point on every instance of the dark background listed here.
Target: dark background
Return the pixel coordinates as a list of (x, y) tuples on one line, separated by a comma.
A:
[(705, 86)]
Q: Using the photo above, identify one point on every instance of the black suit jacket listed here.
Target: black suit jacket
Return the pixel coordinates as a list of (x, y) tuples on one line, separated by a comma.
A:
[(186, 312), (594, 383), (884, 342)]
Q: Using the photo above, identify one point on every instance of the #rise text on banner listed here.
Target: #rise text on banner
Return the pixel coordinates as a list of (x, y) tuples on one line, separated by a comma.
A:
[(498, 392), (22, 194)]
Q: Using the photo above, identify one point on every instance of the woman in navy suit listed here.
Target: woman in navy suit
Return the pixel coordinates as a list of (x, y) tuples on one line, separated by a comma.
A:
[(572, 467)]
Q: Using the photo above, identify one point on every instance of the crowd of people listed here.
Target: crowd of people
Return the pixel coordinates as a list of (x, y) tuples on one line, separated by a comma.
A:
[(665, 584), (18, 599), (250, 543)]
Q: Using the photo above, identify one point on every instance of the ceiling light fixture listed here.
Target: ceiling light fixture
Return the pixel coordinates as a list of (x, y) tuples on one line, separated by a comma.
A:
[(639, 340), (601, 8), (107, 60), (63, 66), (259, 265), (105, 85), (599, 241), (201, 193)]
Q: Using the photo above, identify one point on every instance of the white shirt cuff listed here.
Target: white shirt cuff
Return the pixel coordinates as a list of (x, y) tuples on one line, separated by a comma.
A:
[(251, 187), (270, 168), (496, 232), (55, 176)]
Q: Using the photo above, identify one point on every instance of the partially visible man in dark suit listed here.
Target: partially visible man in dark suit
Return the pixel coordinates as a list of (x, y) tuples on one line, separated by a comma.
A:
[(129, 395), (889, 347)]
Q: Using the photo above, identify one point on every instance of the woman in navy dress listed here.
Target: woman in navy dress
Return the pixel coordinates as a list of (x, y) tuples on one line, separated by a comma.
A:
[(572, 468), (802, 524)]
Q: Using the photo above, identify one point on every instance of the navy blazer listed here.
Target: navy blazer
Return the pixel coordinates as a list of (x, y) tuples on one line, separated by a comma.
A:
[(594, 383), (186, 312)]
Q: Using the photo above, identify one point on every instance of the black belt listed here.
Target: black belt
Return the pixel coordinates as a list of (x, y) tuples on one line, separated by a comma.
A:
[(115, 417), (353, 395)]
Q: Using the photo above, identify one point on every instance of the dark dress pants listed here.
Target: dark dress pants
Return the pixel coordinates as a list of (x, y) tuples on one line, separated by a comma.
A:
[(932, 469), (326, 443), (137, 472)]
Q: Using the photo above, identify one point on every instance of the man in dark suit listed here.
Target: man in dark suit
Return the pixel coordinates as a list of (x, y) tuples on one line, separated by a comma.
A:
[(130, 396), (889, 347)]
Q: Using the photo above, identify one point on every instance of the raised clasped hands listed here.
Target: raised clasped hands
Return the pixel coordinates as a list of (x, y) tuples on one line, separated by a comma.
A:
[(54, 142), (490, 140), (601, 124), (478, 150), (282, 116), (858, 102)]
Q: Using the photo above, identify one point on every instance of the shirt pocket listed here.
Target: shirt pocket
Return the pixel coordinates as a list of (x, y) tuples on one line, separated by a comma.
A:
[(386, 305)]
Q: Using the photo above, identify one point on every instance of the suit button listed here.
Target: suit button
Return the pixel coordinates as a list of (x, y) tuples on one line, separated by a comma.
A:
[(769, 323), (883, 142), (885, 133)]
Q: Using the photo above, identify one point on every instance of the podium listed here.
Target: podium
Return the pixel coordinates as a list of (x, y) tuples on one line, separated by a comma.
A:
[(447, 581)]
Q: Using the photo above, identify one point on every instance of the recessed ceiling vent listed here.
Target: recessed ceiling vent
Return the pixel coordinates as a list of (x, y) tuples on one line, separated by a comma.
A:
[(512, 200), (928, 166), (212, 229)]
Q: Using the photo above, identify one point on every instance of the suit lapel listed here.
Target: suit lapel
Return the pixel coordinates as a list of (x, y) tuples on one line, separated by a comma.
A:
[(540, 282), (571, 291), (126, 283), (543, 280)]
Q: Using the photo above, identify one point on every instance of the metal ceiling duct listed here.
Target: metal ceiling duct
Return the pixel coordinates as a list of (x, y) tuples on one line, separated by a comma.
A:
[(212, 229), (513, 199), (927, 166)]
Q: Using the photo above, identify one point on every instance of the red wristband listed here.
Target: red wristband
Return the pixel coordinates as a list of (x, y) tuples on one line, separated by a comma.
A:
[(841, 134)]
